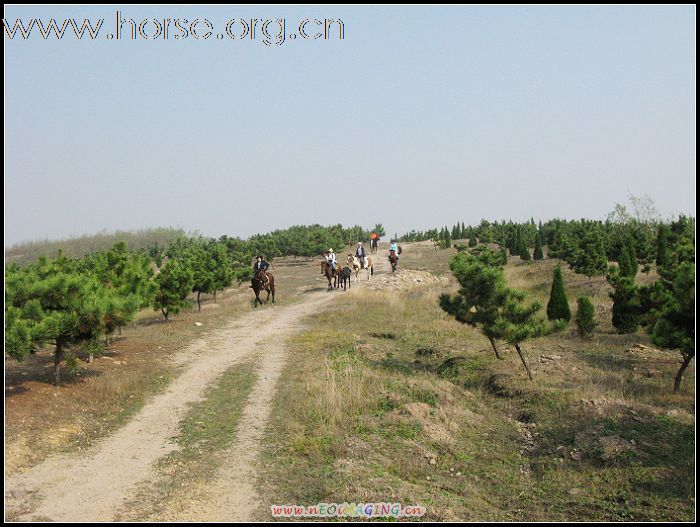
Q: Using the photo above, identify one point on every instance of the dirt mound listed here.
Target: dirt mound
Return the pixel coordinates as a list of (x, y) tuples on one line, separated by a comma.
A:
[(403, 279)]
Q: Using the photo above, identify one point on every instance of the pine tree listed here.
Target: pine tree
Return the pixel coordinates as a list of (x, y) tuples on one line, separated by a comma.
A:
[(523, 250), (485, 301), (673, 315), (590, 257), (175, 282), (512, 241), (634, 263), (627, 309), (585, 317), (472, 240), (558, 305), (662, 247), (625, 263), (50, 302), (538, 254)]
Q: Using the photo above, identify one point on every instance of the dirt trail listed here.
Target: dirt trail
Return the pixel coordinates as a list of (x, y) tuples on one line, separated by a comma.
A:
[(232, 496), (93, 486)]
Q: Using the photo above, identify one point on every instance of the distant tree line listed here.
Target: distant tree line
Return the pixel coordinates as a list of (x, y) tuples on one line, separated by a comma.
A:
[(619, 248), (75, 303)]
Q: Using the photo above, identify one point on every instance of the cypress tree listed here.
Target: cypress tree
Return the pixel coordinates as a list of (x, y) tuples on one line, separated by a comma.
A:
[(472, 240), (624, 263), (523, 250), (558, 305), (626, 309), (634, 264), (538, 254), (663, 258), (504, 256), (585, 317), (512, 241)]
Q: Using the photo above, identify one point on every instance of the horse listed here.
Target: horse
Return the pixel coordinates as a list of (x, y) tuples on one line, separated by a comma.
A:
[(344, 277), (355, 265), (374, 245), (258, 284), (330, 274), (393, 259)]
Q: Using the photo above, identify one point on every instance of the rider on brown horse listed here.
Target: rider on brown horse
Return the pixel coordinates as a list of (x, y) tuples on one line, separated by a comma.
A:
[(261, 266)]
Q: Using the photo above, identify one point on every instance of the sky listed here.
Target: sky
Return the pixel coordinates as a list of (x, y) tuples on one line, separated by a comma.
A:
[(419, 117)]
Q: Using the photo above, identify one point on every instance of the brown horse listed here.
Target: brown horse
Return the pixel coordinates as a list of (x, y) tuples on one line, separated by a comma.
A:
[(344, 277), (330, 274), (258, 284), (393, 259)]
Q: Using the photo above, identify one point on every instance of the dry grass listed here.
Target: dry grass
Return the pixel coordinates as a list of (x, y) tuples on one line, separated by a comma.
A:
[(371, 398)]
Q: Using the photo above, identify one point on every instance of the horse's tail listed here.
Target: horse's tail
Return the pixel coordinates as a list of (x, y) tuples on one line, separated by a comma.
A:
[(371, 270)]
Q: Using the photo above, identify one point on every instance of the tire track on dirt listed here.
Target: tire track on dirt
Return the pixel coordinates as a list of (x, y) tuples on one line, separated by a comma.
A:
[(93, 486), (232, 496)]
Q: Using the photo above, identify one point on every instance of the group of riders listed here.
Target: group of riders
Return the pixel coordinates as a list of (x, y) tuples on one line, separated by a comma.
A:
[(260, 266), (360, 254)]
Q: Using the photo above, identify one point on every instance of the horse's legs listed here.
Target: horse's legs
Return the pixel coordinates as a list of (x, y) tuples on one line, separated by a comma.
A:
[(272, 288)]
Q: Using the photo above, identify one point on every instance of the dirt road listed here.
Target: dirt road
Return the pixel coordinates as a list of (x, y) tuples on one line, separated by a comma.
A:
[(93, 486)]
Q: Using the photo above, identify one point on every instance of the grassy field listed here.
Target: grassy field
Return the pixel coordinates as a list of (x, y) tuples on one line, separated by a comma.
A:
[(387, 399)]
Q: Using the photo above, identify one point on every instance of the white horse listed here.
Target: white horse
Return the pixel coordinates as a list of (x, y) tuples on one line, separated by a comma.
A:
[(354, 264)]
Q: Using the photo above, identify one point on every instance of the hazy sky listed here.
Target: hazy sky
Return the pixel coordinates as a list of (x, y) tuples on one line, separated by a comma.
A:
[(420, 117)]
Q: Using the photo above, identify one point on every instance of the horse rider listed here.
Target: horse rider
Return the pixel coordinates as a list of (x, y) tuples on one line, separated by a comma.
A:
[(360, 254), (394, 249), (261, 265), (331, 259)]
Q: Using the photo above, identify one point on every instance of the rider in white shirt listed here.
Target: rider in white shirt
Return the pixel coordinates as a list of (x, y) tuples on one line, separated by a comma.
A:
[(331, 259), (360, 254)]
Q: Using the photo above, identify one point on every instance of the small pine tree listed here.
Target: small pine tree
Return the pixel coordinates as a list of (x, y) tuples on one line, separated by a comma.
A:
[(538, 254), (558, 305), (625, 263), (504, 256), (585, 317), (634, 263), (472, 240), (663, 258), (523, 250), (512, 241), (626, 310)]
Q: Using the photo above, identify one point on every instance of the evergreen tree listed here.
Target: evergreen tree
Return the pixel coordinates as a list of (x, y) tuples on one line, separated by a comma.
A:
[(673, 316), (538, 254), (175, 282), (585, 317), (52, 303), (523, 250), (627, 308), (558, 305), (485, 301), (512, 241), (472, 240), (590, 257), (663, 258), (379, 229), (625, 263)]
